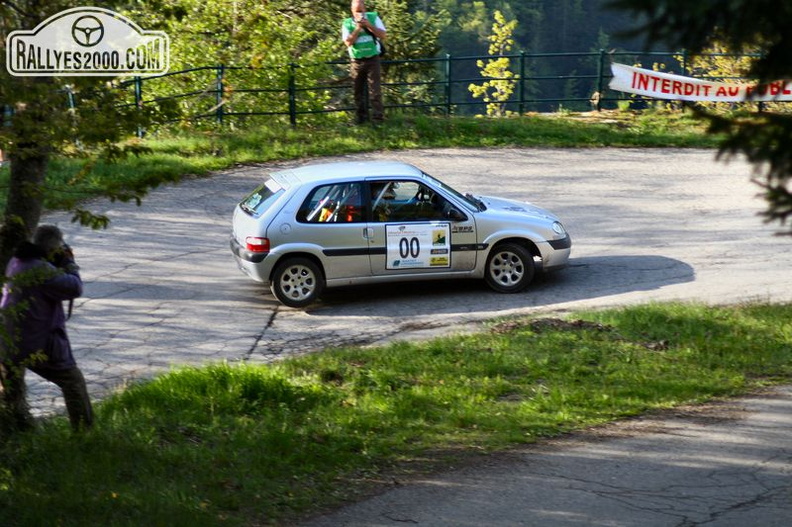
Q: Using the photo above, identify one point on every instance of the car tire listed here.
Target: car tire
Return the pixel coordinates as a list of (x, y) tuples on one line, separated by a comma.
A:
[(297, 282), (510, 268)]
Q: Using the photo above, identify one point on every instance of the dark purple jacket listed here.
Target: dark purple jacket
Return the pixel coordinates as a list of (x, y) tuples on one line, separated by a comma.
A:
[(39, 323)]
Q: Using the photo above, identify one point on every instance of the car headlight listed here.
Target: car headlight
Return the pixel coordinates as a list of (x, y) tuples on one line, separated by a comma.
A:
[(558, 228)]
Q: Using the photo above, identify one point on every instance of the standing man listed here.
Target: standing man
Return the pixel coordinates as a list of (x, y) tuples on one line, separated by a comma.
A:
[(40, 277), (362, 34)]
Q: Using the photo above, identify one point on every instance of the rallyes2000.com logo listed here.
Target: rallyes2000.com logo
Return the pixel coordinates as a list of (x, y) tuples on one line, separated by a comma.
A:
[(87, 41)]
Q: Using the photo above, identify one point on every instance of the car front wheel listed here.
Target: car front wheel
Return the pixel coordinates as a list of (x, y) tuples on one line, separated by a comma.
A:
[(510, 268), (297, 282)]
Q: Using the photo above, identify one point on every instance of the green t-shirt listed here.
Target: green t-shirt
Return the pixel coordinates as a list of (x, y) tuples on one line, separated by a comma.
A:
[(365, 46)]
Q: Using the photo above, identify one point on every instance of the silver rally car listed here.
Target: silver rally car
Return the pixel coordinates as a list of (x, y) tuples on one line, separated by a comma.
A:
[(336, 224)]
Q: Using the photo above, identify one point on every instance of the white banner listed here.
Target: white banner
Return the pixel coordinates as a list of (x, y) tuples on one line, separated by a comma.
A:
[(676, 87)]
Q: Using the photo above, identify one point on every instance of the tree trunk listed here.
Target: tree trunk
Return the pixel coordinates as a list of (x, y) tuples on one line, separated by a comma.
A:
[(23, 211), (24, 205)]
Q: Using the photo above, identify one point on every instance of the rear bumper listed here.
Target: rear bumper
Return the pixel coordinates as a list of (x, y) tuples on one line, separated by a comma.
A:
[(255, 265), (243, 254)]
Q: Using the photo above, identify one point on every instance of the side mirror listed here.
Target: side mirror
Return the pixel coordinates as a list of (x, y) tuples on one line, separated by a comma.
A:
[(455, 215)]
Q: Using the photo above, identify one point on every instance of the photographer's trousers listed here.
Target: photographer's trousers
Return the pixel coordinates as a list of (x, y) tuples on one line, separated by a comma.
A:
[(367, 80), (71, 382)]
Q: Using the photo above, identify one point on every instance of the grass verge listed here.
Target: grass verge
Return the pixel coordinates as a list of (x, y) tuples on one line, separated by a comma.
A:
[(176, 153), (261, 445)]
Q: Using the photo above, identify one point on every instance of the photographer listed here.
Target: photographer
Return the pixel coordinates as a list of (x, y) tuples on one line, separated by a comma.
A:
[(362, 34), (39, 278)]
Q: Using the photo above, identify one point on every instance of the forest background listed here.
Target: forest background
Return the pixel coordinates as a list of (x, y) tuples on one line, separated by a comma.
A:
[(256, 33), (257, 42)]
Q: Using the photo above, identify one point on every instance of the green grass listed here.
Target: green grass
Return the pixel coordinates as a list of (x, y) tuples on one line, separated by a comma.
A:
[(258, 445), (179, 152)]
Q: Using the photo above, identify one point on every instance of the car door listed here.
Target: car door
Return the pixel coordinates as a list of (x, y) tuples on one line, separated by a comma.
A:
[(333, 218), (411, 230)]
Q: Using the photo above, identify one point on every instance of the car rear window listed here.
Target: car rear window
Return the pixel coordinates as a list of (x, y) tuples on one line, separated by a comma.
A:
[(336, 203), (262, 198)]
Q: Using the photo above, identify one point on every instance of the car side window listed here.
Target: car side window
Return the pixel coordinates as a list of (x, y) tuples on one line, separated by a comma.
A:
[(406, 201), (337, 203)]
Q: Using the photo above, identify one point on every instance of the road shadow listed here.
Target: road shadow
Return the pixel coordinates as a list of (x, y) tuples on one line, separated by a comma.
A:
[(585, 278)]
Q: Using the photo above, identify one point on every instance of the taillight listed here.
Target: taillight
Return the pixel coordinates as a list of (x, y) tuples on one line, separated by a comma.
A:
[(257, 245)]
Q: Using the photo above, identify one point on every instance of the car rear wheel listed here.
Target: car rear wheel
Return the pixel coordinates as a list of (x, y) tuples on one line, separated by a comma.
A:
[(297, 282), (510, 268)]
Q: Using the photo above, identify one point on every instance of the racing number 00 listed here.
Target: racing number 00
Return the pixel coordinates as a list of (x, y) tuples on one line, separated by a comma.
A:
[(409, 247)]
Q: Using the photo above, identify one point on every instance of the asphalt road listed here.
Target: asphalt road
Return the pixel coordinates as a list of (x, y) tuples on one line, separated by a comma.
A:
[(647, 224), (721, 465)]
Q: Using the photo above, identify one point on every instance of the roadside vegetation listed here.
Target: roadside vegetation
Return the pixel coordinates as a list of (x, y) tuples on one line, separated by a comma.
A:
[(177, 152), (267, 444)]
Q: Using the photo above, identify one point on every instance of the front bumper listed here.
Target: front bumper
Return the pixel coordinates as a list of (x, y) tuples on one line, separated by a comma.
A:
[(563, 243), (558, 257)]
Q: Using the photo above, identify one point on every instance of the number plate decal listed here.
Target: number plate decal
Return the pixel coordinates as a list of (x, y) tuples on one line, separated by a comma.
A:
[(418, 246)]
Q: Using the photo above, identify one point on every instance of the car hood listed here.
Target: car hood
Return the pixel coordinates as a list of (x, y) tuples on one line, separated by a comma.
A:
[(509, 207)]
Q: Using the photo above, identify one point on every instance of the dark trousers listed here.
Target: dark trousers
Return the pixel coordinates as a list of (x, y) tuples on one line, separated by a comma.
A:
[(367, 72), (70, 381)]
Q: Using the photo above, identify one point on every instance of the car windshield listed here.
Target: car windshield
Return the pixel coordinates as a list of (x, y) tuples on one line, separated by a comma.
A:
[(468, 200), (260, 199)]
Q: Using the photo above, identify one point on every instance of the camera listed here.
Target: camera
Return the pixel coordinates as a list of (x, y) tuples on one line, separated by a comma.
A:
[(63, 256)]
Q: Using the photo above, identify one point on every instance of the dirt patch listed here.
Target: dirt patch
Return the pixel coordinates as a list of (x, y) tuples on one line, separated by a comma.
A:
[(548, 324)]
